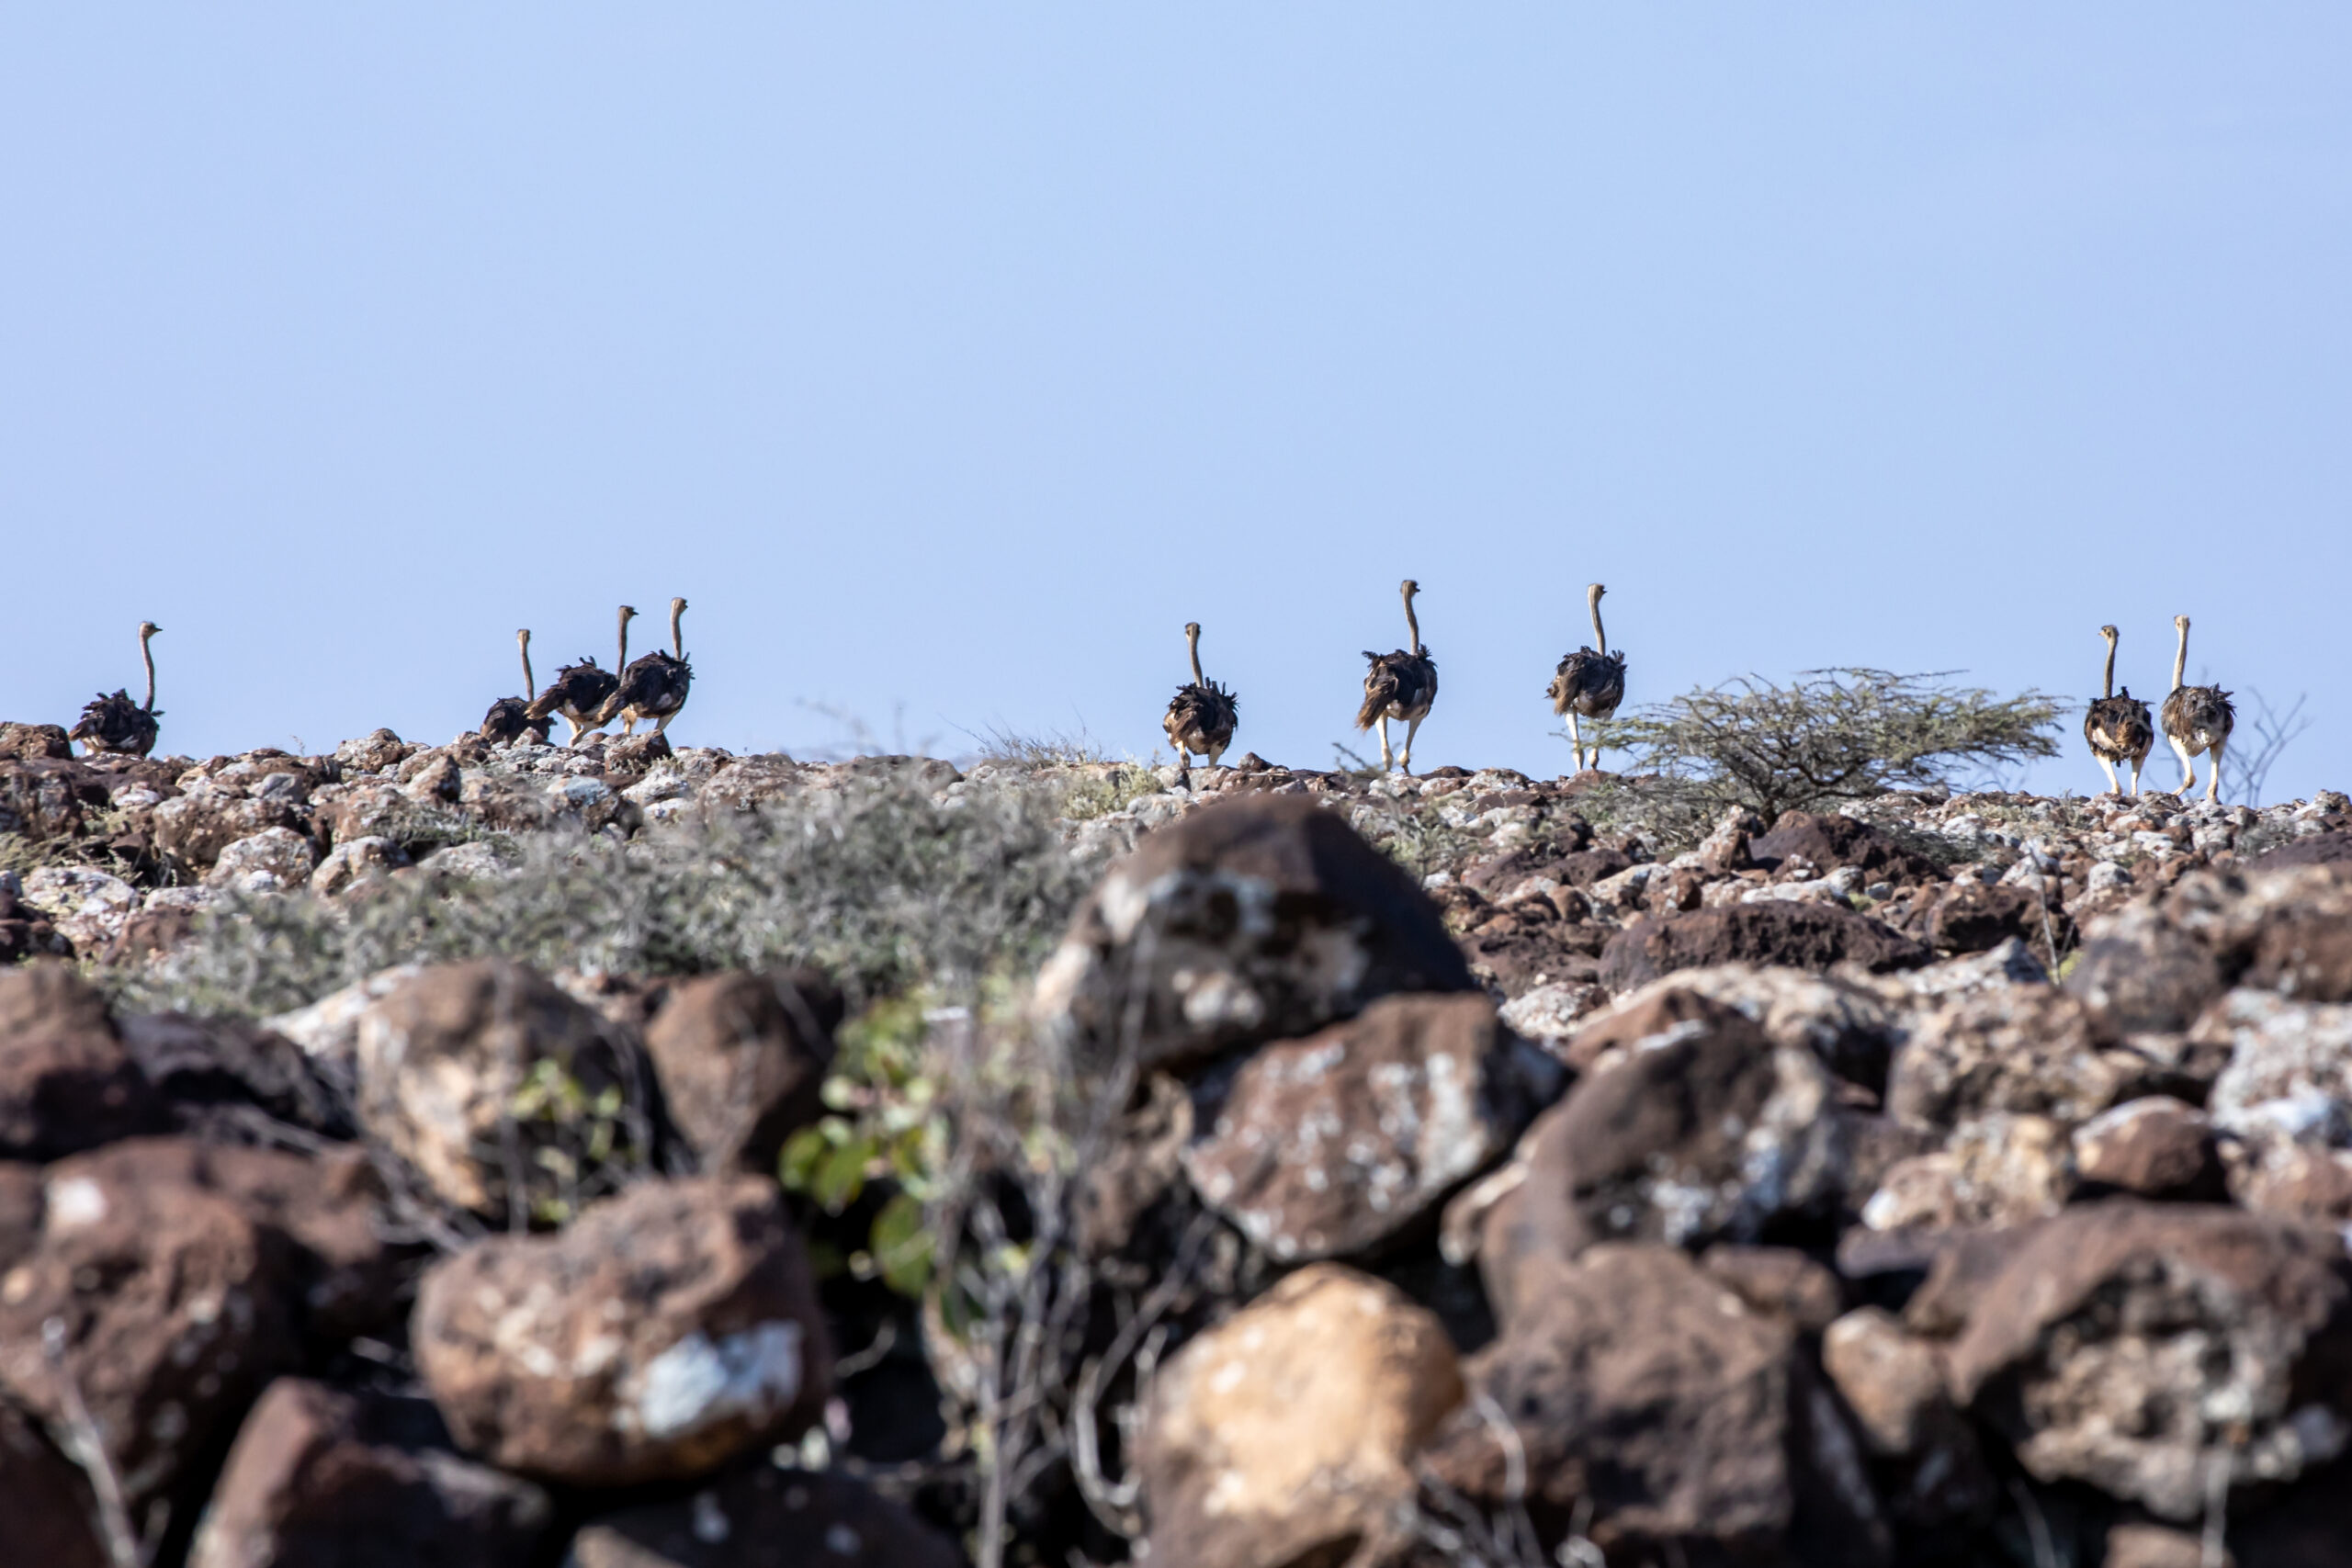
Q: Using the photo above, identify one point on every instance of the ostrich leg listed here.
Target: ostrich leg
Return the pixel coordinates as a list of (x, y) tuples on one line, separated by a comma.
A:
[(2114, 785), (2213, 779), (1412, 727), (1576, 738), (1387, 758), (2187, 767)]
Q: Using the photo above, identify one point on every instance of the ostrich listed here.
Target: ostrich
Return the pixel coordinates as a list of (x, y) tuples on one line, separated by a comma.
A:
[(2118, 728), (1399, 686), (2197, 718), (655, 686), (579, 690), (1201, 717), (509, 719), (116, 724), (1589, 683)]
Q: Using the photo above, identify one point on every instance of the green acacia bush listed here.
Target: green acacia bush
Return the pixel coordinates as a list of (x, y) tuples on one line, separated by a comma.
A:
[(1830, 736)]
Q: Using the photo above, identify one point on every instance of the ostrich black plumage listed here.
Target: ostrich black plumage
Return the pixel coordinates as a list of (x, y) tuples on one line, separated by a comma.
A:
[(1201, 717), (118, 724), (1400, 685), (655, 686), (2196, 718), (2116, 728), (509, 719), (1590, 681), (579, 690)]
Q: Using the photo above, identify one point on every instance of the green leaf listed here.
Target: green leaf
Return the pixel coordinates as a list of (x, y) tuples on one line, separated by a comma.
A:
[(902, 1247)]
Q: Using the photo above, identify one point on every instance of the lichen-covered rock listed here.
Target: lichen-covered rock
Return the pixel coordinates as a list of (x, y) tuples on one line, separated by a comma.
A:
[(2139, 972), (1331, 1146), (1893, 1381), (472, 1071), (173, 1306), (2028, 1050), (2145, 1348), (1703, 1131), (89, 908), (321, 1476), (269, 862), (665, 1332), (1853, 1030), (356, 859), (1786, 935), (1998, 1170), (191, 829), (1285, 1434), (1247, 920)]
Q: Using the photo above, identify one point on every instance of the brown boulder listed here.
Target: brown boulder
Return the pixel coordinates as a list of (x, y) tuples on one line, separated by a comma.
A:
[(760, 1517), (212, 1074), (2139, 1347), (1248, 919), (1790, 935), (1779, 1281), (1331, 1146), (666, 1331), (2022, 1050), (191, 831), (1830, 841), (26, 742), (1652, 1409), (326, 1207), (1284, 1435), (1971, 917), (318, 1478), (174, 1309), (2139, 972), (1700, 1132), (1925, 1452), (741, 1058), (462, 1060), (2152, 1148), (66, 1082)]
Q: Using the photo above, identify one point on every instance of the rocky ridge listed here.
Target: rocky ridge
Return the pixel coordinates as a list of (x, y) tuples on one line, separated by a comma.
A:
[(1945, 1180)]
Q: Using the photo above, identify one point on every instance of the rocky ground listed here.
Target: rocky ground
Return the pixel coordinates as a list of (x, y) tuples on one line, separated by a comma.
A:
[(1465, 1169)]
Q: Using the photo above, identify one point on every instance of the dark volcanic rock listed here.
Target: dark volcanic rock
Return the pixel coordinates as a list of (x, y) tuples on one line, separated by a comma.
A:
[(207, 1070), (176, 1307), (2025, 1050), (2137, 1347), (2153, 1147), (326, 1208), (665, 1332), (1331, 1146), (26, 742), (1969, 917), (1794, 936), (66, 1082), (48, 1518), (1831, 841), (2316, 849), (766, 1517), (1246, 920), (2139, 972), (1654, 1407), (1703, 1131), (741, 1058), (319, 1477)]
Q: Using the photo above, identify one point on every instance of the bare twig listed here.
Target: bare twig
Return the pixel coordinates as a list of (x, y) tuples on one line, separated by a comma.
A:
[(87, 1448), (1113, 1503)]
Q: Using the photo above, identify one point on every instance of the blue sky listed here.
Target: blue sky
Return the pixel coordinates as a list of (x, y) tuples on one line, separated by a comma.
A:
[(950, 358)]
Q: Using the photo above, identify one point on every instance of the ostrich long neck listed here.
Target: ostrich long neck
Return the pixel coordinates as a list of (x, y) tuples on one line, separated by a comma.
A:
[(1600, 637), (2107, 682), (677, 637), (529, 686), (1412, 626), (1193, 641), (621, 663), (147, 653), (2180, 660)]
